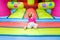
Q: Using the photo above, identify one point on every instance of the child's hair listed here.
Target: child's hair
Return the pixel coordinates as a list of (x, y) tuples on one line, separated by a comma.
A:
[(30, 15)]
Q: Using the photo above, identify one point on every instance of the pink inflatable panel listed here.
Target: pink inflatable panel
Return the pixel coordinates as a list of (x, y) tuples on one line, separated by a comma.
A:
[(4, 11), (30, 10), (19, 24), (56, 10)]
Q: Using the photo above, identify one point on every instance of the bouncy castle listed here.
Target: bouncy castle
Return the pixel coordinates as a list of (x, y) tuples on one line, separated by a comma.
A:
[(14, 17)]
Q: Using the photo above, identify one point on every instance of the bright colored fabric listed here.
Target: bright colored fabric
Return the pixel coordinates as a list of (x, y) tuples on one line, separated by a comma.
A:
[(32, 19)]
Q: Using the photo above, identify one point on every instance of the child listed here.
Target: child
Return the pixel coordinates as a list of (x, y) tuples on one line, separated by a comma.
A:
[(31, 21)]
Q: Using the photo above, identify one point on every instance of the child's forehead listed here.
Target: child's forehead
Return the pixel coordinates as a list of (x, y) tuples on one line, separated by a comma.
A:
[(30, 13)]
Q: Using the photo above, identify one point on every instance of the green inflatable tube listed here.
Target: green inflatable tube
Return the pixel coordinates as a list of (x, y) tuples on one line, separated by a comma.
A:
[(14, 0), (38, 31), (48, 0), (19, 5), (30, 2), (46, 5)]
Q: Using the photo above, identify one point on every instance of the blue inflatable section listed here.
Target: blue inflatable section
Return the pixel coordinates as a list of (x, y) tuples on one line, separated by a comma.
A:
[(26, 20), (28, 38)]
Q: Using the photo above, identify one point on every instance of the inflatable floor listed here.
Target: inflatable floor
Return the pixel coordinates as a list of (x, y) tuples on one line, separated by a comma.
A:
[(14, 15)]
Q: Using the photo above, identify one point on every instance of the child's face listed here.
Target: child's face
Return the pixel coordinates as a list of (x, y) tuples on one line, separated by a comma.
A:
[(30, 15)]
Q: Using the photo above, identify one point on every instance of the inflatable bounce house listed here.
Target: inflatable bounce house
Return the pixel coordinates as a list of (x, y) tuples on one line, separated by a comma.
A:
[(14, 17)]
